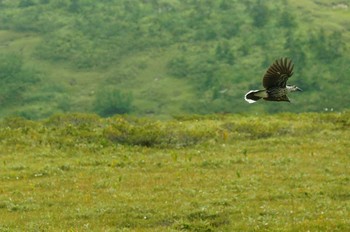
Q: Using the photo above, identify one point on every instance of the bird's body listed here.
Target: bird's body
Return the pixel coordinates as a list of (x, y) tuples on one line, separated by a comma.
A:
[(275, 83)]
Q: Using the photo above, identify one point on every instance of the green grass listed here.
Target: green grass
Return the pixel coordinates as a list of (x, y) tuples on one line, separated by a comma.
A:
[(288, 172)]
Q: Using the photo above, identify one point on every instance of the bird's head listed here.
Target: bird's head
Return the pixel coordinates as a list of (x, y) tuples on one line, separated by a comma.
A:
[(293, 88)]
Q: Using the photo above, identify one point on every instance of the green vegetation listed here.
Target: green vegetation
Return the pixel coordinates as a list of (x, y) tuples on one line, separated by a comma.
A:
[(111, 101), (173, 57), (76, 77), (79, 172), (14, 79)]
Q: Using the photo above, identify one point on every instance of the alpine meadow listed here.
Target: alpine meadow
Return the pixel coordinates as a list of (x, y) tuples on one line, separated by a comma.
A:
[(130, 115)]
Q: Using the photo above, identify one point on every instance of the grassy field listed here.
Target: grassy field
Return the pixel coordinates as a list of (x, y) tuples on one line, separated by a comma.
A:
[(78, 172)]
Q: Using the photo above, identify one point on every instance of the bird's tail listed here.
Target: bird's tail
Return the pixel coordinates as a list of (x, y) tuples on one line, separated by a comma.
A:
[(254, 95)]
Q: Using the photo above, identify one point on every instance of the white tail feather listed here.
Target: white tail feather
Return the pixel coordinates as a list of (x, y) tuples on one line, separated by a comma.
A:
[(250, 100)]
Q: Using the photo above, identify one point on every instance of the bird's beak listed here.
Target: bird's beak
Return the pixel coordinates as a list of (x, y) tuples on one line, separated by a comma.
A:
[(299, 89)]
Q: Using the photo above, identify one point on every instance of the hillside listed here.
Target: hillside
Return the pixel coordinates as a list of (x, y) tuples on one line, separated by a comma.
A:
[(168, 58)]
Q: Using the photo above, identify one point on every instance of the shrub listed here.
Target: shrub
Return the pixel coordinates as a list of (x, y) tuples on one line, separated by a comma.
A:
[(150, 133), (14, 78), (109, 102)]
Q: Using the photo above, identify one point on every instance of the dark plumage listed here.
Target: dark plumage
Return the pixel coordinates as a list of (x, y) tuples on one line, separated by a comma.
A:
[(275, 83)]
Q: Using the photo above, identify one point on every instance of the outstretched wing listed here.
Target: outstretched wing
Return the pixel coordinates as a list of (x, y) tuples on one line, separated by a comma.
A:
[(278, 73)]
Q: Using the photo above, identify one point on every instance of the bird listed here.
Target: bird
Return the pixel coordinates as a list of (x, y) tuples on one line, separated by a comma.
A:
[(275, 83)]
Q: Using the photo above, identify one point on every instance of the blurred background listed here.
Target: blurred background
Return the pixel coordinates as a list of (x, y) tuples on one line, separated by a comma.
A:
[(164, 58)]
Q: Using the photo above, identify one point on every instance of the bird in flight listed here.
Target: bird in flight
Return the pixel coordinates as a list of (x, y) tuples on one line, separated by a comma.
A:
[(275, 83)]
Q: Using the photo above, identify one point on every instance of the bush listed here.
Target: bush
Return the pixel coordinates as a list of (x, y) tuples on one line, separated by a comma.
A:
[(10, 65), (112, 101), (14, 78), (150, 133)]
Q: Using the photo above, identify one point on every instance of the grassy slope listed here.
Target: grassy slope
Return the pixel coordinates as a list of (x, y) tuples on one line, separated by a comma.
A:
[(145, 75), (337, 17), (287, 172), (153, 90)]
